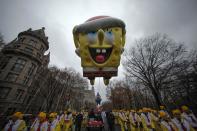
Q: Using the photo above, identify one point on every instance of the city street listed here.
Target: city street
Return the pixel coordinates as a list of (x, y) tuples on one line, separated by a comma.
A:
[(117, 128)]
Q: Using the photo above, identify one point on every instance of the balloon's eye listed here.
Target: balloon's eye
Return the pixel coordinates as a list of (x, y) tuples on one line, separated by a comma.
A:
[(109, 36), (92, 36)]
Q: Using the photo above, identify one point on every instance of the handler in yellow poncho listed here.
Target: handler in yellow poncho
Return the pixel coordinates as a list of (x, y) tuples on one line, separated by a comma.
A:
[(180, 123), (189, 116), (41, 123), (154, 119), (61, 119), (133, 118), (16, 124), (121, 120), (115, 113), (165, 122), (146, 120), (54, 124), (68, 121), (85, 118)]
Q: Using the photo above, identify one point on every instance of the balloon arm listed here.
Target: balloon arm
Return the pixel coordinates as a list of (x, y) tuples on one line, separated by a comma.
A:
[(122, 50), (77, 52)]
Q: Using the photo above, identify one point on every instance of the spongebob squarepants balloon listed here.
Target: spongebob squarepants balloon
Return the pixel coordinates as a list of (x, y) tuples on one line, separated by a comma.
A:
[(99, 43)]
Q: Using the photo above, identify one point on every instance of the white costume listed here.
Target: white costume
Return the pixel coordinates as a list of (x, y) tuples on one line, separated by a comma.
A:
[(68, 117), (43, 126), (181, 124), (53, 124), (168, 125), (190, 118), (13, 125)]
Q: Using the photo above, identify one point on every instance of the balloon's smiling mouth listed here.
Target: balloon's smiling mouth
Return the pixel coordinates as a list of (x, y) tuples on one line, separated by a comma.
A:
[(100, 55)]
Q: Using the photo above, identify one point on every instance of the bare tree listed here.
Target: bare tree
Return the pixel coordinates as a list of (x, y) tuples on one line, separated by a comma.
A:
[(120, 94), (185, 82), (2, 44), (126, 94), (56, 90), (153, 62), (107, 105), (1, 40)]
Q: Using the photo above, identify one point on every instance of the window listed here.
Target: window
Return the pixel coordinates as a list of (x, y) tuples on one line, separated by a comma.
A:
[(22, 39), (29, 99), (17, 46), (10, 111), (26, 80), (38, 55), (19, 65), (32, 43), (28, 50), (4, 91), (4, 62), (11, 77), (31, 69), (19, 94), (42, 48)]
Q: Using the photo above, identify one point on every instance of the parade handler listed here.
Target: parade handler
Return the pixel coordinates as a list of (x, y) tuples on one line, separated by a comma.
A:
[(40, 124), (54, 124), (16, 124), (68, 120)]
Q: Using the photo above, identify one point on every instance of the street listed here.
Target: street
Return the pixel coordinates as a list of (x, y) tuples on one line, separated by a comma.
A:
[(117, 128)]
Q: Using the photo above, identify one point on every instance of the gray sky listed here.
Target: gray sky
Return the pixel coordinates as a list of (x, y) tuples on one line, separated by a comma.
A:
[(177, 18)]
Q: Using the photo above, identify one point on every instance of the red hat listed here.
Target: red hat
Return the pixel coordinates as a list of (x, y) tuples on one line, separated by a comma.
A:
[(99, 22)]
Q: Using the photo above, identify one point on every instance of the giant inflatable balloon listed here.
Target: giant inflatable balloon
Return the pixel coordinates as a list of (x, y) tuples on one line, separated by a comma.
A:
[(99, 43)]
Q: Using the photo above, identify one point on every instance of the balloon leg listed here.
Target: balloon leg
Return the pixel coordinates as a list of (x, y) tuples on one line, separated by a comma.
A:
[(92, 81), (106, 81)]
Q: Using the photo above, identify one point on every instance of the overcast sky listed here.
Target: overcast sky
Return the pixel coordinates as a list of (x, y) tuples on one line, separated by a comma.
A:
[(177, 18)]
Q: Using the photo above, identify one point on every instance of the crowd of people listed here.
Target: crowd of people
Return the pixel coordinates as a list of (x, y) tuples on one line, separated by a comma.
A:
[(64, 121), (145, 119), (46, 122)]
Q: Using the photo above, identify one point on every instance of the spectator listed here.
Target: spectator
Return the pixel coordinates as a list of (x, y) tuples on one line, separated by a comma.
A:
[(78, 121), (110, 120)]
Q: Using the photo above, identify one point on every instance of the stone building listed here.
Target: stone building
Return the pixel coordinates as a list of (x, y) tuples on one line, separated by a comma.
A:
[(83, 98), (89, 95), (89, 98), (20, 60)]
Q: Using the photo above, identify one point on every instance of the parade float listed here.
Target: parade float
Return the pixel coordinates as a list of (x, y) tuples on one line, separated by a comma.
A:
[(99, 43)]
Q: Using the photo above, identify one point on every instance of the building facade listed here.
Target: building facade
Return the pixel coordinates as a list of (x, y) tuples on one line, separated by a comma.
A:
[(89, 98), (20, 60)]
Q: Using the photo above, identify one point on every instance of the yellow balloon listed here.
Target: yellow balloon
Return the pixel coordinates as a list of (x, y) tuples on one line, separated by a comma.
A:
[(99, 43)]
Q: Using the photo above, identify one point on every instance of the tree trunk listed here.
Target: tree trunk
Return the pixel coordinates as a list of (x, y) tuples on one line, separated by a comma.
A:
[(157, 97)]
